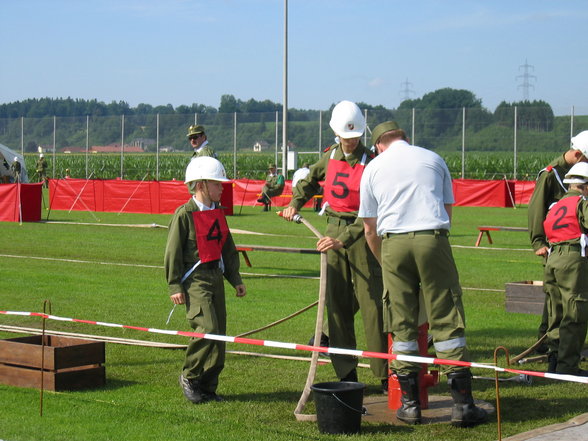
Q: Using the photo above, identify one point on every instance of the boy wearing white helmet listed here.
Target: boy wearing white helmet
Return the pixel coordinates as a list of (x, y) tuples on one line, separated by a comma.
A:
[(199, 252), (549, 189), (566, 274), (354, 276)]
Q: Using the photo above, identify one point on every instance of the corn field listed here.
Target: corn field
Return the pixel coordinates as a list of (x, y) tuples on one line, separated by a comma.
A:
[(479, 165)]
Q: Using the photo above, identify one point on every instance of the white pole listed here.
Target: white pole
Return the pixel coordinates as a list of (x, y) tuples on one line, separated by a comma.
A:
[(571, 125), (514, 173), (365, 141), (277, 132), (285, 94), (157, 149), (122, 144), (54, 146), (320, 143), (412, 139), (87, 141), (463, 119), (235, 146), (22, 136)]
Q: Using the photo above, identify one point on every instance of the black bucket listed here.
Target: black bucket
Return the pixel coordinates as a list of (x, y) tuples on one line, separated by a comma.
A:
[(339, 406)]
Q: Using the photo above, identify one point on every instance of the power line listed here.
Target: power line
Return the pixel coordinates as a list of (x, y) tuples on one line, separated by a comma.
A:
[(407, 91), (526, 76)]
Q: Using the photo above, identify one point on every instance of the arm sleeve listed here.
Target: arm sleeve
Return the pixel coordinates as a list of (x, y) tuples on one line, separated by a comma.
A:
[(537, 212), (309, 186), (174, 253), (232, 262)]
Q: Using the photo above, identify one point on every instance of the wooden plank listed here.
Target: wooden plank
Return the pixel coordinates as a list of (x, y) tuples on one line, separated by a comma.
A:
[(525, 297), (79, 378), (60, 352)]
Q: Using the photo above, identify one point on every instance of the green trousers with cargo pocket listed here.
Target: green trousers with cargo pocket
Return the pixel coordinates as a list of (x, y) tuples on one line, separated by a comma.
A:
[(566, 285), (206, 313), (415, 261), (354, 280)]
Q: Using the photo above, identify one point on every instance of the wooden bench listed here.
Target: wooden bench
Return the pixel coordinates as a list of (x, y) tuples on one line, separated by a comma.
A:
[(487, 228), (244, 248)]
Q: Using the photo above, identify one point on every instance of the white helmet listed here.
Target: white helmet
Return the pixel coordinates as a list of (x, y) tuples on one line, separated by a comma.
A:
[(205, 167), (578, 174), (580, 142), (41, 155), (16, 158), (347, 121)]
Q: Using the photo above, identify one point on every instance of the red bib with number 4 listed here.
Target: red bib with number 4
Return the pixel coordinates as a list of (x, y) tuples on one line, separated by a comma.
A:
[(211, 233), (342, 185), (561, 223)]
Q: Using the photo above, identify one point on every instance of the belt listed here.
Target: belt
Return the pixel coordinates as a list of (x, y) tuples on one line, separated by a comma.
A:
[(441, 232), (214, 264), (568, 246), (339, 220)]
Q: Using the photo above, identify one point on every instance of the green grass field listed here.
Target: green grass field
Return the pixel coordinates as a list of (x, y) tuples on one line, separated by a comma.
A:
[(114, 274)]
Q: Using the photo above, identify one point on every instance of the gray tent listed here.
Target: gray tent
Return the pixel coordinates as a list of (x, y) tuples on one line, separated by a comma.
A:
[(6, 158)]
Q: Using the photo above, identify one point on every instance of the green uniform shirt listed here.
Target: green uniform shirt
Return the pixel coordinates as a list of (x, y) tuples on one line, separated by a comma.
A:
[(204, 151), (547, 191), (181, 252), (307, 187), (41, 165)]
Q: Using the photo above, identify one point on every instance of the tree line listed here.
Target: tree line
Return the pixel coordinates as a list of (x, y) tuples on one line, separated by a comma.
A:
[(438, 122)]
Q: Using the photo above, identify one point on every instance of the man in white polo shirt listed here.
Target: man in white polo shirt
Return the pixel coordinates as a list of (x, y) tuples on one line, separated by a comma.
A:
[(405, 202)]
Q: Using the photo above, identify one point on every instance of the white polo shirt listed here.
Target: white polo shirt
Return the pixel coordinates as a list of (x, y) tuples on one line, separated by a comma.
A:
[(406, 188)]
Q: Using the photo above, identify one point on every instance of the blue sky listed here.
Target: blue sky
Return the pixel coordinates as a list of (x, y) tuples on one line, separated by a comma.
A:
[(193, 51)]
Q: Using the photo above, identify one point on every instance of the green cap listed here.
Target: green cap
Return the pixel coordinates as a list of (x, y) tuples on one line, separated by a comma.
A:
[(195, 130), (383, 128)]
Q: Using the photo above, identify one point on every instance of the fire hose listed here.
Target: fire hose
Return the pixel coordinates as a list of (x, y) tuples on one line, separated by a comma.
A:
[(317, 329)]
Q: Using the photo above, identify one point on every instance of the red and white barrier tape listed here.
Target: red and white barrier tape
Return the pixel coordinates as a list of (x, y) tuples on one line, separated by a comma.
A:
[(294, 346)]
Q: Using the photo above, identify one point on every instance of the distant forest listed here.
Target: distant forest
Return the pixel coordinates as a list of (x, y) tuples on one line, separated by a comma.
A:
[(438, 119)]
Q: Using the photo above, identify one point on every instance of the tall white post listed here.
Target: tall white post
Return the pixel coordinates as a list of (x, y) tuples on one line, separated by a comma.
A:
[(277, 137), (285, 95), (54, 137), (235, 146), (157, 149), (514, 171), (122, 145), (412, 138), (571, 125), (22, 136), (320, 142), (463, 116), (87, 141)]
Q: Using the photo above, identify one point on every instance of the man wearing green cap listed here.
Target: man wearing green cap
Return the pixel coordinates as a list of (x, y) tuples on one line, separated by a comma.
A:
[(274, 186), (199, 142), (406, 197)]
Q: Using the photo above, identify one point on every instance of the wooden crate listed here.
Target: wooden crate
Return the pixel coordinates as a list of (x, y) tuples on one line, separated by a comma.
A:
[(69, 363), (526, 297)]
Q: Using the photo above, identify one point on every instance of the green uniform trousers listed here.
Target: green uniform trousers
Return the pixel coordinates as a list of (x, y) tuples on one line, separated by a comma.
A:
[(354, 281), (206, 313), (566, 284), (415, 261)]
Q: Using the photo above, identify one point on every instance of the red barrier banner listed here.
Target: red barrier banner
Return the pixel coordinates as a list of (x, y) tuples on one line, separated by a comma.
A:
[(120, 196), (163, 197), (20, 202)]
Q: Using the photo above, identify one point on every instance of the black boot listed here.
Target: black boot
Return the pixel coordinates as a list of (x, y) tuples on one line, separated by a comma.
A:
[(464, 413), (552, 362), (410, 411)]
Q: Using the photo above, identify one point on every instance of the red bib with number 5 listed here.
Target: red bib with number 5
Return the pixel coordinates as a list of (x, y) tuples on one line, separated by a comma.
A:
[(342, 185), (211, 233), (561, 223)]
